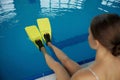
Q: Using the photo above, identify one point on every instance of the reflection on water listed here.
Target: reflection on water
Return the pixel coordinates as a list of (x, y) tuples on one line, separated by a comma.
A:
[(6, 10), (110, 3), (102, 9), (54, 7), (58, 7)]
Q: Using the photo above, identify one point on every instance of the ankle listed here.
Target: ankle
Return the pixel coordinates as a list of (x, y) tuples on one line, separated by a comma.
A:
[(49, 44), (40, 48), (39, 43), (47, 38)]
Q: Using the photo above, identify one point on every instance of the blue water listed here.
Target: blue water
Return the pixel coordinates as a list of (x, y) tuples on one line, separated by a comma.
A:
[(70, 20)]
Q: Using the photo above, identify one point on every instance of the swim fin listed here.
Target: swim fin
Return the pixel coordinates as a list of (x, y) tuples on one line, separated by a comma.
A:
[(33, 33), (44, 27)]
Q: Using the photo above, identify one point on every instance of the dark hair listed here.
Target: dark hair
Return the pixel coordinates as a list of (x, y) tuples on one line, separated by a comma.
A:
[(106, 29)]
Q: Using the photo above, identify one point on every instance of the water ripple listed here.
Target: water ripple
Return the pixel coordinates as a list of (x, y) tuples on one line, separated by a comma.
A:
[(58, 7), (7, 10)]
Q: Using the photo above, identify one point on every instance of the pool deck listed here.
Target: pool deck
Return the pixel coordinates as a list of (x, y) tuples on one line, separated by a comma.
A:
[(53, 76)]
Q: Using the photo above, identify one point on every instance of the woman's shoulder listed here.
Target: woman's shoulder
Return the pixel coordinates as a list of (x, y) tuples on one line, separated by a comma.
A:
[(93, 72), (102, 71)]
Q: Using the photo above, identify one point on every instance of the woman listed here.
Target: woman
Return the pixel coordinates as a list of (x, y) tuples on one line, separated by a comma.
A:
[(104, 37)]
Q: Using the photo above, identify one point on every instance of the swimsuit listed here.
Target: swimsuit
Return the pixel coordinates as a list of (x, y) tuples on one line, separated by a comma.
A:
[(97, 78)]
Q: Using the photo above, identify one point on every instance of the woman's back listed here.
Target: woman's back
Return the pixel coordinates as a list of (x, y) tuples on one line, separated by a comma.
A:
[(113, 70), (105, 39), (107, 70)]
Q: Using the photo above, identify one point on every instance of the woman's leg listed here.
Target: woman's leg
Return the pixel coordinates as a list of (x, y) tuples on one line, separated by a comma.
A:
[(69, 64), (59, 70)]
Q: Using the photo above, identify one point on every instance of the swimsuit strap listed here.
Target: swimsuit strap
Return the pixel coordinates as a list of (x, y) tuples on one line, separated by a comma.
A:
[(97, 78)]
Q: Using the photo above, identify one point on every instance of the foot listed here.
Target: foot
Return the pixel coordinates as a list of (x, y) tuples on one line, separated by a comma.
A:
[(39, 43), (47, 38)]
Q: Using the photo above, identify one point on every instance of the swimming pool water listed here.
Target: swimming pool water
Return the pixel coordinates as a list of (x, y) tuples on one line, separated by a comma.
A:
[(70, 20)]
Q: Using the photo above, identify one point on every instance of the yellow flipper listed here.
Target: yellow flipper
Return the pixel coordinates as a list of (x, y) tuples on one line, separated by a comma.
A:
[(44, 26), (33, 33)]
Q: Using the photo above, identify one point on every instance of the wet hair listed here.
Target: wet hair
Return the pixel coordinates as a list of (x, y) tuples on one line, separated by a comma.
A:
[(106, 29)]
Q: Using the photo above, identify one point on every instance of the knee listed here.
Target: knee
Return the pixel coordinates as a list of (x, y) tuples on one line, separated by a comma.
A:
[(55, 65), (65, 60)]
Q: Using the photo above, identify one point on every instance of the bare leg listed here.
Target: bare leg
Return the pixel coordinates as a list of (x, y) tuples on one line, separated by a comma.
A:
[(59, 70), (69, 64)]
